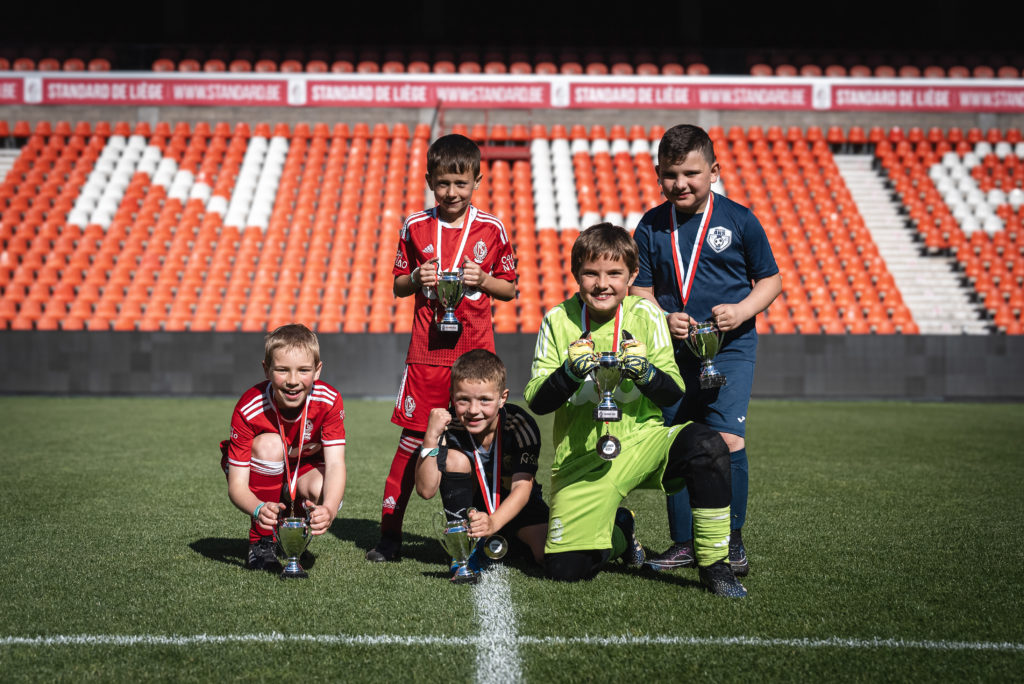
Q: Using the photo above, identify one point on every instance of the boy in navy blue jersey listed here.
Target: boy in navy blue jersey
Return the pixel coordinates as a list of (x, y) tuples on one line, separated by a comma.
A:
[(704, 257)]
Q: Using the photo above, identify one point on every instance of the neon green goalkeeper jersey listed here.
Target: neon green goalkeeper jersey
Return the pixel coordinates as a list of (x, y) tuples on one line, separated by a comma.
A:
[(576, 432)]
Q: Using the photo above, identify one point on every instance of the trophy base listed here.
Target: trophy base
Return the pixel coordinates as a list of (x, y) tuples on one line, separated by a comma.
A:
[(464, 574), (712, 380), (450, 327), (608, 415), (608, 447), (293, 571)]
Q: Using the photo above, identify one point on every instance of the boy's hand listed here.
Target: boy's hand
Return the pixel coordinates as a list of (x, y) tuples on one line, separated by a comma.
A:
[(634, 363), (581, 359), (679, 324), (319, 517), (438, 420), (480, 524), (427, 273), (472, 275), (271, 514)]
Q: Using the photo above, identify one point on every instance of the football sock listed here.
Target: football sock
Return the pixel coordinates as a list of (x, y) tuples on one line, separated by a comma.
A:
[(710, 534), (456, 494), (738, 465), (265, 479), (399, 485)]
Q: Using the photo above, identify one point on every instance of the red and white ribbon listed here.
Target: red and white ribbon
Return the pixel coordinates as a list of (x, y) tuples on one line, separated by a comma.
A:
[(685, 277)]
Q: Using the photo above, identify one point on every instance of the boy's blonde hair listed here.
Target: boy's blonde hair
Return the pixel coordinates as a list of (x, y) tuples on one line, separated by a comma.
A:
[(453, 154), (604, 240), (292, 336), (480, 365)]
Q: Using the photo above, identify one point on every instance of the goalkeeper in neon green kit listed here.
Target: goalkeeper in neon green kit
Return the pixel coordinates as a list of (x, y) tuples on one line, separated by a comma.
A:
[(587, 527)]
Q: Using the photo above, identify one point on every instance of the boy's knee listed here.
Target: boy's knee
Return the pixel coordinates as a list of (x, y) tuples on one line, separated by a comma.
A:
[(455, 462), (698, 447), (570, 566), (267, 447)]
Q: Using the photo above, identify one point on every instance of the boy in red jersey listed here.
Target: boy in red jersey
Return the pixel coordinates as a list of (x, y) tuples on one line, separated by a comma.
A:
[(290, 411), (453, 235)]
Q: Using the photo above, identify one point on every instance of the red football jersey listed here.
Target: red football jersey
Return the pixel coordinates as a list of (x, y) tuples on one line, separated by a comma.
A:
[(486, 243), (255, 414)]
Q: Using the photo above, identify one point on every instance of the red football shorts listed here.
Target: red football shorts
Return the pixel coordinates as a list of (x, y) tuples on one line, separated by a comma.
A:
[(423, 388)]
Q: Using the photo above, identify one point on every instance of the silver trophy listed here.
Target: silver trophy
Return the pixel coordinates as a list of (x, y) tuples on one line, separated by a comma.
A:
[(607, 378), (450, 290), (456, 541), (704, 340), (293, 535)]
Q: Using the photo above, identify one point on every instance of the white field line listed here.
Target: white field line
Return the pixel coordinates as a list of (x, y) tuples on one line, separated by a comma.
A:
[(270, 638), (497, 654)]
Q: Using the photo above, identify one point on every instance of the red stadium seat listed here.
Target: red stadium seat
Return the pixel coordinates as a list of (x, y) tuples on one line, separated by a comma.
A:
[(214, 66), (74, 64), (316, 66), (265, 66), (24, 64), (342, 66), (673, 69), (761, 70), (1008, 71), (100, 64)]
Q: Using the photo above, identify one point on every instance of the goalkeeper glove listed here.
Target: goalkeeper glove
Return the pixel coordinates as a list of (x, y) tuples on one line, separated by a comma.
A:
[(581, 359), (634, 363)]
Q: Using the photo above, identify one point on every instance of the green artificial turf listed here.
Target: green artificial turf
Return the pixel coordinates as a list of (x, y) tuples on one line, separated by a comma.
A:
[(896, 522)]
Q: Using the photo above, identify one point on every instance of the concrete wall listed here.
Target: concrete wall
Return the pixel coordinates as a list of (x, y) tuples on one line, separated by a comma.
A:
[(224, 364)]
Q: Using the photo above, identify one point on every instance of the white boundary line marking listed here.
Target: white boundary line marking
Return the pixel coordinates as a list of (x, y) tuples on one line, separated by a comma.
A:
[(462, 641), (497, 655)]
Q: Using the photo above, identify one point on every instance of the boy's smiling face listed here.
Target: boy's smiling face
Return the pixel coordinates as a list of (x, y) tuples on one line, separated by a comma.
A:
[(476, 404), (291, 376), (604, 282), (687, 183), (453, 192)]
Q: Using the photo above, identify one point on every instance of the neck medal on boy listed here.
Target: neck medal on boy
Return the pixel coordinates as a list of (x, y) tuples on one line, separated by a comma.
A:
[(492, 495), (685, 277), (292, 479), (607, 377)]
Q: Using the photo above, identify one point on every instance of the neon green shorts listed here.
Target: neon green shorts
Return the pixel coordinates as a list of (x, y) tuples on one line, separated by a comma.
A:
[(583, 511)]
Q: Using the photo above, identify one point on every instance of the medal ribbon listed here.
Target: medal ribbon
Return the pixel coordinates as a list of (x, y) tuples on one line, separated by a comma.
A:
[(585, 322), (491, 497), (292, 479), (466, 222), (685, 278)]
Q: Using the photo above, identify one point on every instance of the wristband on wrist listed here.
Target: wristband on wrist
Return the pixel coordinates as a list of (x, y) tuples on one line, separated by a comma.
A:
[(429, 451), (256, 513), (415, 277)]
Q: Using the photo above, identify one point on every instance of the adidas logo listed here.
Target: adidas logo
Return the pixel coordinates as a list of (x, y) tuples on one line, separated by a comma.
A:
[(389, 503), (429, 249)]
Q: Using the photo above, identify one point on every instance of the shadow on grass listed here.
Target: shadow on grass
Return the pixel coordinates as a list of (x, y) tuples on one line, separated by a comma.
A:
[(365, 534), (235, 550)]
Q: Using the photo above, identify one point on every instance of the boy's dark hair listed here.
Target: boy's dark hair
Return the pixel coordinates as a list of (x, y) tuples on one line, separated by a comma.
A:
[(603, 240), (453, 154), (680, 140), (292, 336), (481, 365)]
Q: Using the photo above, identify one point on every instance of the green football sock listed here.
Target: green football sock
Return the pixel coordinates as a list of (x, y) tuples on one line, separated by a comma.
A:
[(710, 535), (618, 543)]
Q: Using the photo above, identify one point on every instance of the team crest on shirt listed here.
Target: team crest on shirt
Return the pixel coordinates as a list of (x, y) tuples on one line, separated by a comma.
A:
[(719, 238), (307, 431), (479, 252), (341, 415), (410, 407)]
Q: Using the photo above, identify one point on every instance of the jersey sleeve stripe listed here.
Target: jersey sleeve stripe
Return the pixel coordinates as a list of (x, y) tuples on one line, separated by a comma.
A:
[(333, 442)]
